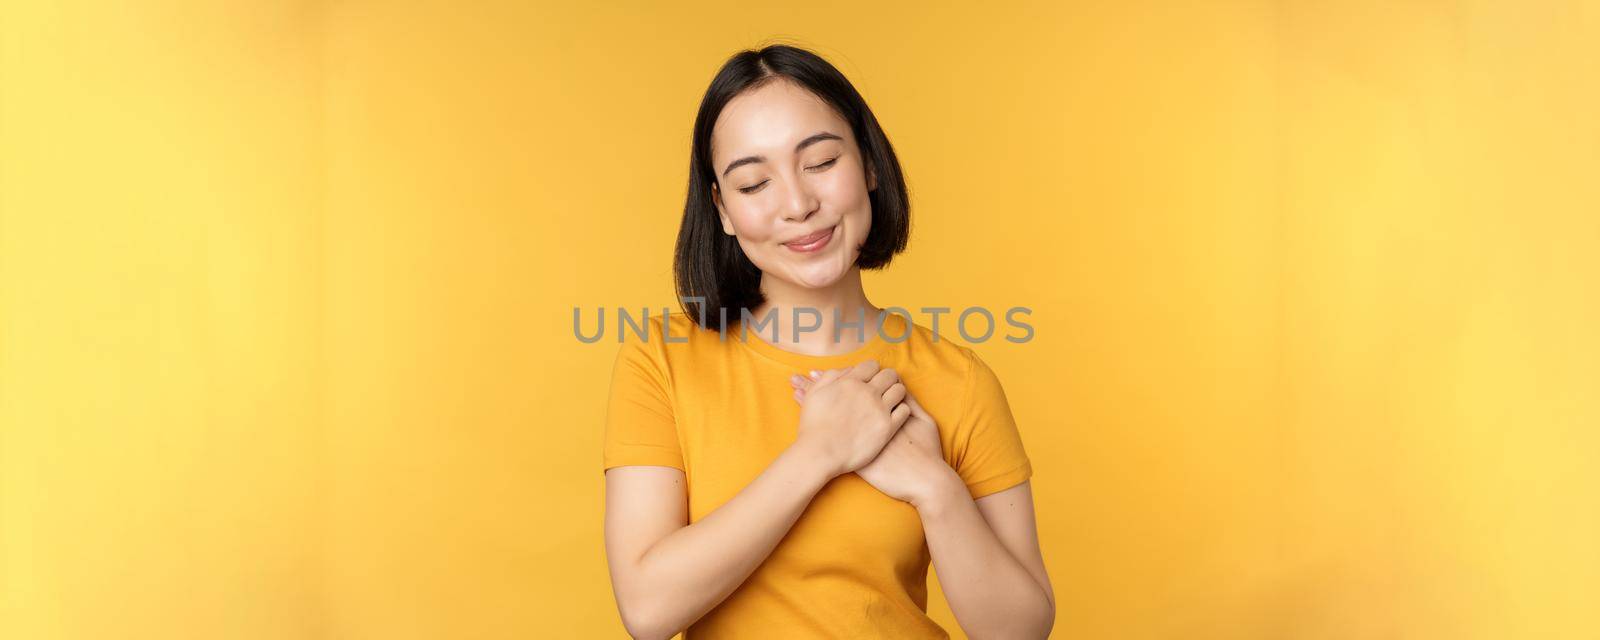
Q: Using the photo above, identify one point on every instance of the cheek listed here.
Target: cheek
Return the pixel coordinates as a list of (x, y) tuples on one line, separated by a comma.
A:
[(749, 224), (755, 234), (849, 196), (844, 190)]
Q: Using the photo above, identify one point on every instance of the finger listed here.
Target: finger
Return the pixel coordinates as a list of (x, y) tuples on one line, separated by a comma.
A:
[(819, 378), (830, 373), (799, 395), (799, 382), (883, 379), (894, 395), (898, 416), (865, 370)]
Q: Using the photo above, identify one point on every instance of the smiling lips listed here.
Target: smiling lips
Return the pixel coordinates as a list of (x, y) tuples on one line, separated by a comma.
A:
[(813, 242)]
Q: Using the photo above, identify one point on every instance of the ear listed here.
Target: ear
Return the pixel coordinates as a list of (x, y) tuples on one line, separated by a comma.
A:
[(716, 198), (872, 179)]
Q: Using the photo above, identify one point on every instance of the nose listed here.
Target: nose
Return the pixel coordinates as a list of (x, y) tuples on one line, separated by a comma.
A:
[(800, 204)]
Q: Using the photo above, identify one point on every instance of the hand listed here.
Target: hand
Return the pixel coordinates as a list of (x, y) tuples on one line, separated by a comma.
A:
[(851, 414), (911, 466)]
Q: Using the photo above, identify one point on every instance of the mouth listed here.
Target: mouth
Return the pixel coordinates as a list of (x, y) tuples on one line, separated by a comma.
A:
[(813, 242)]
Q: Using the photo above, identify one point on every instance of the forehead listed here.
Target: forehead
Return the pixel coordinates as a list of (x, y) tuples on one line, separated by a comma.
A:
[(772, 119)]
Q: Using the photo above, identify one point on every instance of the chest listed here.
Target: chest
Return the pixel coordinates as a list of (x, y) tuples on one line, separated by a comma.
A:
[(728, 443)]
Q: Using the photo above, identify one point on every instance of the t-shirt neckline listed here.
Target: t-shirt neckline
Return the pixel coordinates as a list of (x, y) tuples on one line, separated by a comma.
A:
[(894, 325)]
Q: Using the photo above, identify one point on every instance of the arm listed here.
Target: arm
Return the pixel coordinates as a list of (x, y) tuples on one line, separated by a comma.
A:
[(667, 573), (986, 554)]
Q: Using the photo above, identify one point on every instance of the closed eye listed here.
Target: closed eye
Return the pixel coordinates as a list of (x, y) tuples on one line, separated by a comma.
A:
[(827, 164), (757, 186)]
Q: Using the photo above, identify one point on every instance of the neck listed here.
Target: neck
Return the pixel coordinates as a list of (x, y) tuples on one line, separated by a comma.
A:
[(843, 302)]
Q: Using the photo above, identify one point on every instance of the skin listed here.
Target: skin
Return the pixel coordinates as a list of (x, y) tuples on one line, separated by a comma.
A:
[(665, 572)]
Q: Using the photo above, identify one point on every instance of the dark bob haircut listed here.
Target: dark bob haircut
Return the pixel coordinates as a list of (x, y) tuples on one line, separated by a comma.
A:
[(709, 264)]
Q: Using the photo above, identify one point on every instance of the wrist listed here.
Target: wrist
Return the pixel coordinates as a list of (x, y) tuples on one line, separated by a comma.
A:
[(813, 461), (945, 489)]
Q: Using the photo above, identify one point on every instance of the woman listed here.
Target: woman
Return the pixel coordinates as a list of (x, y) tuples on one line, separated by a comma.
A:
[(797, 482)]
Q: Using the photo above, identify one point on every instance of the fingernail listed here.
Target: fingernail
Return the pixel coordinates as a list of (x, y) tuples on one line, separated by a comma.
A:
[(814, 373)]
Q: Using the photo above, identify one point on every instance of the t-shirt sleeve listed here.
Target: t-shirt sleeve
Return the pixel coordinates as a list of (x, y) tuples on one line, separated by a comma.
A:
[(640, 429), (990, 457)]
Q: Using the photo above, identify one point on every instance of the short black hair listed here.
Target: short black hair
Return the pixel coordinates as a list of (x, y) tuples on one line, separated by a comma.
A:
[(709, 264)]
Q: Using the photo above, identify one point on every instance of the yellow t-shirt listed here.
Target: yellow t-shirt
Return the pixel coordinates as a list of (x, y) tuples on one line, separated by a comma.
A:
[(855, 565)]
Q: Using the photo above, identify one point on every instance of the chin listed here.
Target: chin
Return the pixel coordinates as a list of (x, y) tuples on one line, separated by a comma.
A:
[(811, 283), (819, 277)]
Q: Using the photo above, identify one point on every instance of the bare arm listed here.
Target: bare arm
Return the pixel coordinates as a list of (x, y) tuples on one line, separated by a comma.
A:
[(986, 554), (985, 551), (667, 573)]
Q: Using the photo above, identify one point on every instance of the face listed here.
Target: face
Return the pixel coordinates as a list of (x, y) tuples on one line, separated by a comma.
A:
[(796, 196)]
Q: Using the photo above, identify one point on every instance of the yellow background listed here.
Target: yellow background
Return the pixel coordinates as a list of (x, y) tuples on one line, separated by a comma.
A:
[(286, 290)]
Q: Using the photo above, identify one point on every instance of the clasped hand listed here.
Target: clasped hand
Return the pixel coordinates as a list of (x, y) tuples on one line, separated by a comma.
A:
[(863, 420)]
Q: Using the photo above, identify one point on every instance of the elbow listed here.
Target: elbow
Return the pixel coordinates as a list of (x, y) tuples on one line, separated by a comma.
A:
[(1049, 620), (1046, 621), (644, 621), (1043, 620), (647, 613), (1035, 627), (1031, 623)]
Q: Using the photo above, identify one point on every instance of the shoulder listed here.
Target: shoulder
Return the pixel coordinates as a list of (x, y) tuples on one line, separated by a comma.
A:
[(654, 348), (956, 363), (931, 354), (664, 339)]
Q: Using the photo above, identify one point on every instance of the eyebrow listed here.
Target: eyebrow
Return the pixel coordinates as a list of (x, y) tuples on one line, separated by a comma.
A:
[(811, 140)]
